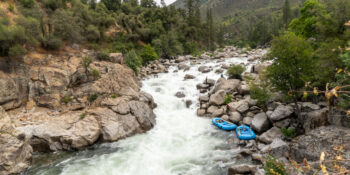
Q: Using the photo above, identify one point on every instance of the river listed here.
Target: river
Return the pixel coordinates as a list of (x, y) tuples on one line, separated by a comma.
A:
[(181, 143)]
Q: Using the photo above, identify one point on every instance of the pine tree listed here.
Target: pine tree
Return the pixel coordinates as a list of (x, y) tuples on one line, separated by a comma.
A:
[(287, 13), (210, 30), (113, 5)]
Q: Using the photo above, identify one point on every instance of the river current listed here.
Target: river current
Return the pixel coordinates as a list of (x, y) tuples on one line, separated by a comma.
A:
[(181, 143)]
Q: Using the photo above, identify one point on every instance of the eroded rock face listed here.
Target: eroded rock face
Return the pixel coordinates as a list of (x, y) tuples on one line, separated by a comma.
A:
[(15, 152), (9, 92), (325, 138)]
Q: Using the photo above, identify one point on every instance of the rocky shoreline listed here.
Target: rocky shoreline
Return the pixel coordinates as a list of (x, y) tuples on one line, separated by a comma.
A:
[(55, 104)]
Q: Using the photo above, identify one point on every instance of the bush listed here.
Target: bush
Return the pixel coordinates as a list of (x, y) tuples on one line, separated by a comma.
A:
[(5, 21), (273, 167), (54, 4), (103, 56), (228, 99), (148, 54), (133, 61), (52, 43), (93, 97), (83, 115), (11, 8), (32, 29), (260, 93), (66, 26), (17, 50), (85, 62), (66, 99), (92, 33), (95, 73), (288, 133), (27, 3), (235, 71), (113, 96)]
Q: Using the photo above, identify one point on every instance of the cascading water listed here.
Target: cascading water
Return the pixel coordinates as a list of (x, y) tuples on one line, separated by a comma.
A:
[(180, 143)]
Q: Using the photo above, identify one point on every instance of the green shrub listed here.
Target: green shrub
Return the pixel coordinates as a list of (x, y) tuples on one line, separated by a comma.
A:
[(17, 50), (288, 133), (85, 62), (54, 4), (32, 29), (133, 61), (228, 99), (113, 96), (95, 73), (27, 3), (5, 21), (52, 43), (83, 115), (235, 71), (273, 167), (93, 97), (65, 25), (92, 33), (66, 99), (148, 54), (260, 93), (103, 56), (11, 8)]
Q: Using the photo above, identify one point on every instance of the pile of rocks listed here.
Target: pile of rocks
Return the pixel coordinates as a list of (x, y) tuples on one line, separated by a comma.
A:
[(266, 123)]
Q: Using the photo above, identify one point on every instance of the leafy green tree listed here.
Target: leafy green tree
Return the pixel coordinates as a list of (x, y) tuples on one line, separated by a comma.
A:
[(113, 5), (210, 31), (133, 61), (65, 26), (148, 3), (305, 25), (148, 54), (292, 65)]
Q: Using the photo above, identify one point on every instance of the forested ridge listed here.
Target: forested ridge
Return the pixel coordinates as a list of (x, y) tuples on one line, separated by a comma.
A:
[(107, 26)]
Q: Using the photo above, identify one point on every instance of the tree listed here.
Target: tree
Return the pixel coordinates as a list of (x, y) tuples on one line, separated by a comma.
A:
[(287, 13), (148, 54), (292, 65), (210, 31), (112, 5), (148, 3), (133, 61)]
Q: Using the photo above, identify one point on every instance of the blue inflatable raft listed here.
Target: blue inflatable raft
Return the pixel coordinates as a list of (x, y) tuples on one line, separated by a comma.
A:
[(223, 124), (245, 133)]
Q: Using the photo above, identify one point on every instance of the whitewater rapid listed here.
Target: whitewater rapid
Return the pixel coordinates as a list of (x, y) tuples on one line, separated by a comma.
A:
[(181, 143)]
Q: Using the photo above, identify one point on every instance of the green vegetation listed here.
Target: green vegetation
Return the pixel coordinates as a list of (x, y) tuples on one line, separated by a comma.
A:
[(83, 115), (228, 98), (86, 61), (117, 26), (148, 54), (95, 73), (288, 133), (133, 61), (66, 99), (260, 92), (274, 166), (93, 97), (114, 96), (103, 56), (235, 71)]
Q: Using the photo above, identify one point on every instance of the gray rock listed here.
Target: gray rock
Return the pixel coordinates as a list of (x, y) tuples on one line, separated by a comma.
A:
[(116, 58), (188, 103), (278, 148), (270, 135), (180, 94), (217, 113), (219, 71), (218, 98), (212, 109), (203, 69), (201, 112), (204, 98), (229, 86), (283, 123), (225, 117), (182, 66), (281, 112), (315, 119), (188, 76), (242, 169), (202, 86), (308, 106), (260, 123), (211, 82), (235, 117), (247, 121), (240, 106)]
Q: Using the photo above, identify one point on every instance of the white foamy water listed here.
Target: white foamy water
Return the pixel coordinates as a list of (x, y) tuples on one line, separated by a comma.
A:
[(180, 143)]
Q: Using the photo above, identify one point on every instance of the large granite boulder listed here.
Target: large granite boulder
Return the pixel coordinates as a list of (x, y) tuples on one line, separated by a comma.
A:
[(229, 86), (218, 98), (281, 112), (241, 106), (270, 135), (116, 58), (15, 152), (260, 123)]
